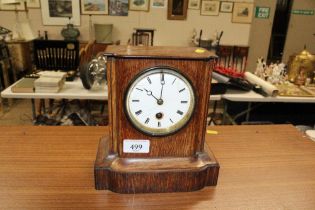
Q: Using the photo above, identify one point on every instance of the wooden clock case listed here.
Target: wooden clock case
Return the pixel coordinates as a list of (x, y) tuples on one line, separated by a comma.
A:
[(175, 163)]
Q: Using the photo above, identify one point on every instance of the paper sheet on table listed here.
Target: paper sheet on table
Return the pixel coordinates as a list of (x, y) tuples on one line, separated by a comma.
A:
[(270, 89)]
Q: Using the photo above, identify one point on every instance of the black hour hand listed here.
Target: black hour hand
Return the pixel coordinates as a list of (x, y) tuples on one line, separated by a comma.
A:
[(149, 93)]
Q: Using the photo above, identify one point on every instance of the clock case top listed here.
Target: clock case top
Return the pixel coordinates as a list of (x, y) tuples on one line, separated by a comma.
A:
[(162, 52), (126, 62)]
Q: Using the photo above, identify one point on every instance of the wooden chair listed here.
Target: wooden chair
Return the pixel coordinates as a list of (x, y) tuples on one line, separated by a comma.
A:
[(234, 57), (225, 54), (240, 55), (6, 68), (86, 53), (143, 36), (6, 65), (140, 39)]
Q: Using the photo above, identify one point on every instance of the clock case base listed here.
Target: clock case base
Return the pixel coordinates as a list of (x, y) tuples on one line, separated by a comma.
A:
[(153, 175)]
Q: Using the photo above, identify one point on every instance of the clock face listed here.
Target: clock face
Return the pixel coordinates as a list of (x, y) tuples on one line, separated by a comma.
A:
[(160, 101)]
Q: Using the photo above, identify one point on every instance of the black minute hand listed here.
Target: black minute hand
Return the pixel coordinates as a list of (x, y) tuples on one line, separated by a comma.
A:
[(162, 83)]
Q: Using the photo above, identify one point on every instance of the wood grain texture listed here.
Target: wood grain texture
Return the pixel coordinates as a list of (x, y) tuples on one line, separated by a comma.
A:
[(159, 51), (173, 159), (182, 143), (261, 167), (153, 175), (124, 65)]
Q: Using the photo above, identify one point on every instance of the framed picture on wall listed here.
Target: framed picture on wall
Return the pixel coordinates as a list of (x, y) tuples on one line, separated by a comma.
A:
[(226, 6), (33, 3), (139, 5), (242, 12), (158, 3), (118, 7), (193, 4), (94, 7), (58, 12), (177, 9), (210, 8)]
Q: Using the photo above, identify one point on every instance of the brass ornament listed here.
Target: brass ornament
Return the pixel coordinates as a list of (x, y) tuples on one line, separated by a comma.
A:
[(302, 64)]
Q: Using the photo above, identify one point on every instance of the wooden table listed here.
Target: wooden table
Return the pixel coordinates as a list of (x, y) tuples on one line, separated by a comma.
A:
[(262, 167)]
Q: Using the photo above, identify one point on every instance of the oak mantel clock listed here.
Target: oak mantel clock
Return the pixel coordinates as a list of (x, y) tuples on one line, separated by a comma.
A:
[(158, 103)]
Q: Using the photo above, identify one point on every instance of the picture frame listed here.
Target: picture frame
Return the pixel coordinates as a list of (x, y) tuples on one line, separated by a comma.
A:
[(58, 12), (94, 7), (194, 4), (210, 8), (177, 9), (242, 12), (139, 5), (118, 7), (8, 7), (158, 3), (33, 3), (226, 7)]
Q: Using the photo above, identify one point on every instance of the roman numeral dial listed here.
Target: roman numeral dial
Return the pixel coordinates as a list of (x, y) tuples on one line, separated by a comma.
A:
[(159, 101)]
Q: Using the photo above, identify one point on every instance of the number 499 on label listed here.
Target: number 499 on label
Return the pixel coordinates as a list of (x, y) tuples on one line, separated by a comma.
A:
[(136, 146)]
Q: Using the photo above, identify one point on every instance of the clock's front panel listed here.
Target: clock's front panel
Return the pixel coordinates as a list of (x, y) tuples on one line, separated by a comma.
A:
[(161, 106)]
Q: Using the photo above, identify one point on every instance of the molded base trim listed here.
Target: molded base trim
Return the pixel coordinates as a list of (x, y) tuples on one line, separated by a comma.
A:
[(153, 175)]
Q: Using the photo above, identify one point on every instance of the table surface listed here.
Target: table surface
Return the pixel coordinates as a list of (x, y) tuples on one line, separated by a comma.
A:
[(262, 167), (75, 90), (251, 96), (71, 90)]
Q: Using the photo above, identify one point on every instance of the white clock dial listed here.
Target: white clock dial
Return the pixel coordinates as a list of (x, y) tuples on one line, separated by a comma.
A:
[(159, 101)]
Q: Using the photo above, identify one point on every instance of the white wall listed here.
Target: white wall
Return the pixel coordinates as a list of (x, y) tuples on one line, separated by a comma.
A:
[(300, 31), (260, 33), (168, 32)]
